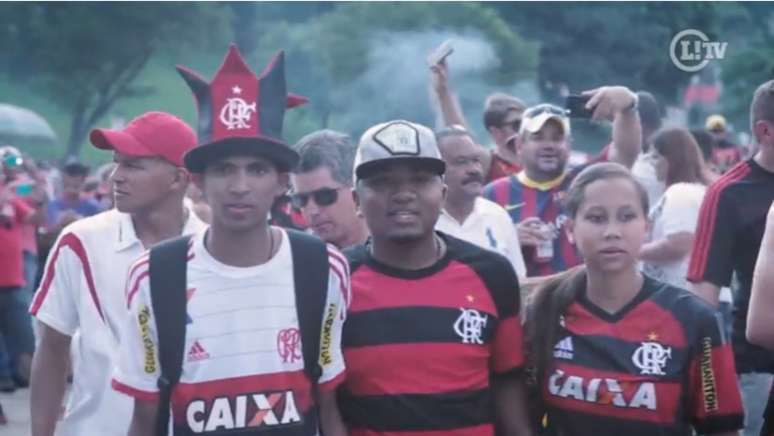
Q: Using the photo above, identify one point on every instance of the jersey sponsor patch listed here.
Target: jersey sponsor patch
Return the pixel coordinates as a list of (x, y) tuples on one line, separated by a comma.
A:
[(149, 347), (275, 410), (708, 385), (603, 391), (326, 358)]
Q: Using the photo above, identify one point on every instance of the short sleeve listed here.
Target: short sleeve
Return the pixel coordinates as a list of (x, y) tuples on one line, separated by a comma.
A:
[(712, 255), (137, 367), (56, 301), (339, 298), (681, 209), (714, 402), (507, 351)]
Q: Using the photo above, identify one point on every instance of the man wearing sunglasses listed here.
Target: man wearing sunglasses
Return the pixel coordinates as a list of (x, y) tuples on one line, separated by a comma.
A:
[(533, 197), (322, 185)]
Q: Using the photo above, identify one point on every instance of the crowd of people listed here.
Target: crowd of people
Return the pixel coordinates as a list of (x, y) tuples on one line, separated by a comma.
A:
[(412, 282)]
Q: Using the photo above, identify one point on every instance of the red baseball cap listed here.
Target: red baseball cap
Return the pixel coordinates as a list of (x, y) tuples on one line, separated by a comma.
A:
[(151, 134)]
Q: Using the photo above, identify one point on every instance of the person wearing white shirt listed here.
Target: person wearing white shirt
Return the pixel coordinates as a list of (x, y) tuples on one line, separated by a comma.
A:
[(467, 215), (80, 304)]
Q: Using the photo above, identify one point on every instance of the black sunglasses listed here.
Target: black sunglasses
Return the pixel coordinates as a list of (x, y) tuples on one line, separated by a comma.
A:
[(323, 197)]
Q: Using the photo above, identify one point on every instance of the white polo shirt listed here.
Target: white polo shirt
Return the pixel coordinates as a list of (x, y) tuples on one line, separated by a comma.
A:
[(487, 226), (82, 295), (243, 369)]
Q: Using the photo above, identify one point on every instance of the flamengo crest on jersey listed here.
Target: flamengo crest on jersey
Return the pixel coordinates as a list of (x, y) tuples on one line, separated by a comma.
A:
[(470, 326)]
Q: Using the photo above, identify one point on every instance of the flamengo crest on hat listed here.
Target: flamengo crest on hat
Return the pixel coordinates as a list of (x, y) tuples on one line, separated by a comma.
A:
[(237, 103), (398, 138)]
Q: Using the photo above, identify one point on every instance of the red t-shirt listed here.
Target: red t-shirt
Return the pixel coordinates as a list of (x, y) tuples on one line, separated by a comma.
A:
[(500, 168), (11, 264)]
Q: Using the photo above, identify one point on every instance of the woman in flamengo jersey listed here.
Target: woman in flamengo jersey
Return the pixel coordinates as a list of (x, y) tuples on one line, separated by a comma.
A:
[(614, 351)]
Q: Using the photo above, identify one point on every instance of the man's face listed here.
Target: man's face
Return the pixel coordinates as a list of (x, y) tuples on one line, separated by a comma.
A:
[(141, 183), (313, 190), (72, 186), (545, 151), (506, 129), (401, 201), (240, 190), (464, 172)]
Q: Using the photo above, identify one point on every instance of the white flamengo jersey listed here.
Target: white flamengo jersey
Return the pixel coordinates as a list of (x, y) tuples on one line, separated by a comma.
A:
[(243, 367), (82, 296)]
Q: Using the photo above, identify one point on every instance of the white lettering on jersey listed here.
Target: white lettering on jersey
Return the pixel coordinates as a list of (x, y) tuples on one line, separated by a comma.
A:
[(602, 391), (252, 410)]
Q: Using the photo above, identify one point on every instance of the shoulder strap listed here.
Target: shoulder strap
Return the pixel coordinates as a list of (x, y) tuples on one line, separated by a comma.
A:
[(310, 275), (167, 270)]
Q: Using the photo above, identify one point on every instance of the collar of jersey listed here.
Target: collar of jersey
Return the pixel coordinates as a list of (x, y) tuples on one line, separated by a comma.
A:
[(407, 274), (540, 186)]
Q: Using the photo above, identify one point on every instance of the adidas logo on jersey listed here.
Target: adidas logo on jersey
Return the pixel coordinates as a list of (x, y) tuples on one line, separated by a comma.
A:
[(197, 352), (563, 349)]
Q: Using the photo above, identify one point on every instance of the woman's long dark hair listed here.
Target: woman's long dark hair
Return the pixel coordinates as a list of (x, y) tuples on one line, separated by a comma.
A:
[(552, 298), (680, 149)]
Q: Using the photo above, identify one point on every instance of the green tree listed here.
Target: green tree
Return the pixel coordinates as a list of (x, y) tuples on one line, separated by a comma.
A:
[(585, 45), (86, 56), (338, 58)]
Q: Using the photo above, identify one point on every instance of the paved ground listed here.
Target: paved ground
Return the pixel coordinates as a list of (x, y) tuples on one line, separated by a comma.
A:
[(16, 407)]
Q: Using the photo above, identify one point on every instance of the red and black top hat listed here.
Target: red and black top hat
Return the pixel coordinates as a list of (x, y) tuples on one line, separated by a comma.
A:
[(239, 112)]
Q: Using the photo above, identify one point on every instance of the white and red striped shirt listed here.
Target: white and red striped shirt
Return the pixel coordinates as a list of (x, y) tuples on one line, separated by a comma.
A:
[(243, 366), (82, 296)]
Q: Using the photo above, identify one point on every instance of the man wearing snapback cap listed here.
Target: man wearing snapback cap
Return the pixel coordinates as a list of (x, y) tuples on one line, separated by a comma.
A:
[(533, 197), (81, 298), (433, 339)]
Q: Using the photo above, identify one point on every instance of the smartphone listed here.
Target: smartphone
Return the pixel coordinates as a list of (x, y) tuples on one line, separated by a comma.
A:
[(576, 106), (440, 53)]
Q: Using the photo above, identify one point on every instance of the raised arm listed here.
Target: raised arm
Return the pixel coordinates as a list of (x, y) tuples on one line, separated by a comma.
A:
[(619, 105), (444, 99)]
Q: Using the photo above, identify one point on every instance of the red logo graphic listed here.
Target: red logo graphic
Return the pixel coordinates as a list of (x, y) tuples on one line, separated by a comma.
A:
[(197, 352), (289, 345)]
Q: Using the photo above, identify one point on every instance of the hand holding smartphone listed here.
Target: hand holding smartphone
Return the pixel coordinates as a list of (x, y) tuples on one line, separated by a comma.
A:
[(576, 106)]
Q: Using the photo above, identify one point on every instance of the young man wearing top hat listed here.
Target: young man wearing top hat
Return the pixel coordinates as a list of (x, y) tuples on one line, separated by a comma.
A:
[(433, 339), (243, 369), (81, 301)]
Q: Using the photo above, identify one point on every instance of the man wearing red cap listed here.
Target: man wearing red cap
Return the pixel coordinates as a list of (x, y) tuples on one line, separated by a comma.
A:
[(81, 300), (245, 365)]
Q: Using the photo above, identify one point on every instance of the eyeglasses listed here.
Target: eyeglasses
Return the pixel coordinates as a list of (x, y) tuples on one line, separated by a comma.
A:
[(545, 108), (322, 197)]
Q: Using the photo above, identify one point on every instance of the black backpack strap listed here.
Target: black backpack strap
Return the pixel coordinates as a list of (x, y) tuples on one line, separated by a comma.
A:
[(168, 282), (310, 275)]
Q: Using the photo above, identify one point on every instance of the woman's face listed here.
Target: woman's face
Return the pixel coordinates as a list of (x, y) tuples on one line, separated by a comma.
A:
[(610, 226)]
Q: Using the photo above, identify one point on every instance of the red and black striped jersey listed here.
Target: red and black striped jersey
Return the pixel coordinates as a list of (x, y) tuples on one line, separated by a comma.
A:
[(657, 367), (420, 346), (728, 237)]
